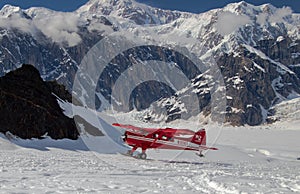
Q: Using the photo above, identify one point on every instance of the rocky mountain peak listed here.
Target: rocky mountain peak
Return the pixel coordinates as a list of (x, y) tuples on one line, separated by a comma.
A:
[(140, 13), (268, 8), (238, 6), (26, 73), (9, 11), (250, 9)]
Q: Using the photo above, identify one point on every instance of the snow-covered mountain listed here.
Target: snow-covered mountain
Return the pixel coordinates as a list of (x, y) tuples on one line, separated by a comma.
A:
[(256, 48), (129, 10)]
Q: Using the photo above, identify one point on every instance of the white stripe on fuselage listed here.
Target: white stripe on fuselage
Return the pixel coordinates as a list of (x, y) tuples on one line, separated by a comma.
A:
[(170, 143)]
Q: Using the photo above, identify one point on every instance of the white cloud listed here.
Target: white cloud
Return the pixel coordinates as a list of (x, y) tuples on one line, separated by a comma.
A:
[(277, 17), (280, 14), (229, 22), (17, 22), (100, 27), (60, 27), (262, 18)]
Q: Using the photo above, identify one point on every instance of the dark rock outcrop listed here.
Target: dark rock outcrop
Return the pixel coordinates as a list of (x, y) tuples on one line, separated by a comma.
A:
[(255, 84), (28, 108)]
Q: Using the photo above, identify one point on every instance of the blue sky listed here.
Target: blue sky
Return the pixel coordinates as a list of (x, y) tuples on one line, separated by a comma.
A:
[(195, 6)]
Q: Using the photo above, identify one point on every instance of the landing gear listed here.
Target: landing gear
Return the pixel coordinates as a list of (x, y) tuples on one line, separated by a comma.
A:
[(130, 152), (200, 154), (142, 156)]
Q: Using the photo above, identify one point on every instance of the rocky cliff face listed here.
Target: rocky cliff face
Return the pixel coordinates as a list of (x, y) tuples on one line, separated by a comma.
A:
[(258, 81), (255, 47), (29, 109)]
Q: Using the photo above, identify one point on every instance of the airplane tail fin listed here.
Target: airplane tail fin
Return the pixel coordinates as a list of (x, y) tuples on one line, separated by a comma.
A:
[(200, 137)]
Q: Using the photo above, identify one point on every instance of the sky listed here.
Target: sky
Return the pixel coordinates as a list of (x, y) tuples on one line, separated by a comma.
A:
[(195, 6)]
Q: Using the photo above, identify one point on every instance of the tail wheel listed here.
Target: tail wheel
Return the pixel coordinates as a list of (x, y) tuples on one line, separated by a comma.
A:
[(200, 154)]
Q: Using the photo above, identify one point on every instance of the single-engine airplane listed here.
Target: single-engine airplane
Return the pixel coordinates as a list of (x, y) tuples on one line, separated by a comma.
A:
[(163, 138)]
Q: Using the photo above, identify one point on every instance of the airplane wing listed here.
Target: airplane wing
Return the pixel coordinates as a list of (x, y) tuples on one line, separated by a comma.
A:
[(207, 148), (136, 129), (202, 147), (179, 132), (176, 132)]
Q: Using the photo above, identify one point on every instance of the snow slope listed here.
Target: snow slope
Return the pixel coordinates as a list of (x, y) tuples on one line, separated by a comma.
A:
[(249, 160)]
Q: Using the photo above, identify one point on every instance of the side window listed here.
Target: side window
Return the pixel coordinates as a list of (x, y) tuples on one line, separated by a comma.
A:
[(155, 135), (198, 137)]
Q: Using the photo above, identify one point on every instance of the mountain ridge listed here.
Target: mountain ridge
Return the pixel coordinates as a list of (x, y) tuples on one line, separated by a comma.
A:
[(254, 40)]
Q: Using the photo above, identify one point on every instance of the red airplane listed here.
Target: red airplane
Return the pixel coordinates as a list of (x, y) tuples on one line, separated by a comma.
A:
[(163, 138)]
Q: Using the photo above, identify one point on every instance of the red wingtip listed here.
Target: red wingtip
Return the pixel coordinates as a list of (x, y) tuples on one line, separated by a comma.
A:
[(116, 124)]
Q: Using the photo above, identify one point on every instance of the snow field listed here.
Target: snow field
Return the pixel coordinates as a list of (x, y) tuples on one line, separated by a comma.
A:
[(262, 165)]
